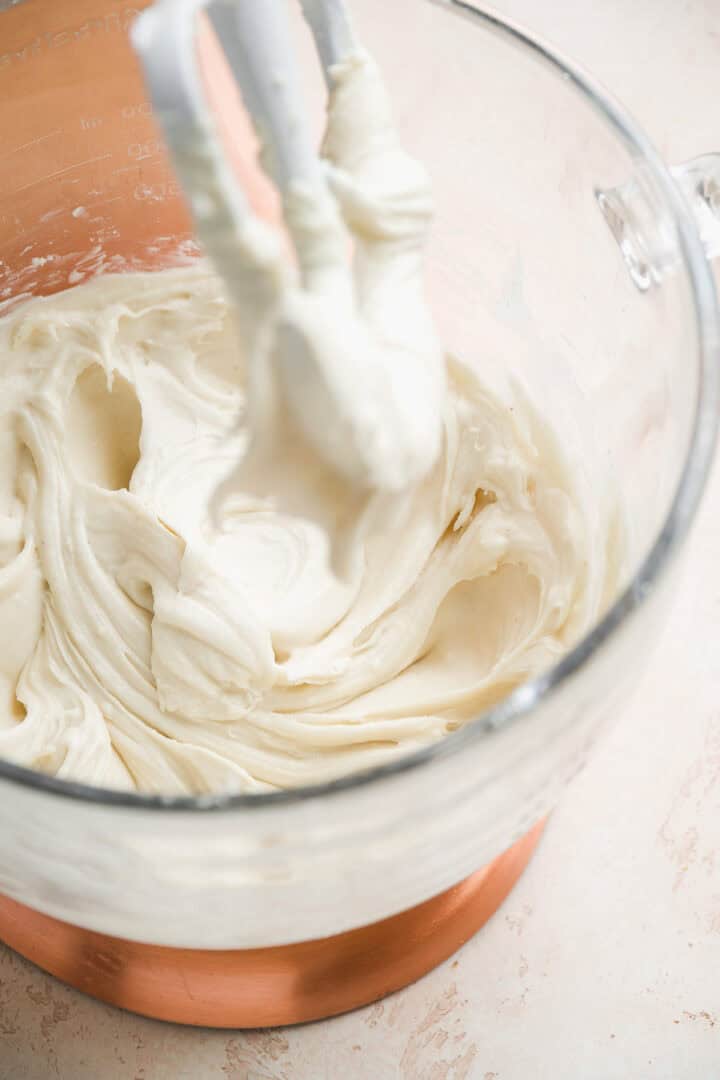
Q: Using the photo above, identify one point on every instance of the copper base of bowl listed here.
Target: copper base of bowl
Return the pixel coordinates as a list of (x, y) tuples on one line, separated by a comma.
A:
[(286, 984)]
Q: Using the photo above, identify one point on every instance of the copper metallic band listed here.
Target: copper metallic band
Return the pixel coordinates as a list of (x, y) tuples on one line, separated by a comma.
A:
[(286, 984)]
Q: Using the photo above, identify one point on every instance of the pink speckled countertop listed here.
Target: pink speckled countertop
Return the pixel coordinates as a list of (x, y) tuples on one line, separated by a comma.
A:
[(604, 964)]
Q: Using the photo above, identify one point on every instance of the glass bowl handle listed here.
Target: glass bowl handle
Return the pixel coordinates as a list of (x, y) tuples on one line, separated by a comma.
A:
[(645, 237)]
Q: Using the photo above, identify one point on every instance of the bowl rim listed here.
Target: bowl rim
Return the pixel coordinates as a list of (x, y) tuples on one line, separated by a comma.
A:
[(683, 506)]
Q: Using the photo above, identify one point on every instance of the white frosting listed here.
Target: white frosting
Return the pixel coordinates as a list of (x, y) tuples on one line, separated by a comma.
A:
[(370, 384), (397, 549), (144, 648)]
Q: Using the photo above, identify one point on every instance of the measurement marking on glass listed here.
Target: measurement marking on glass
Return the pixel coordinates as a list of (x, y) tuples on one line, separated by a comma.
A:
[(139, 164), (32, 142), (60, 172)]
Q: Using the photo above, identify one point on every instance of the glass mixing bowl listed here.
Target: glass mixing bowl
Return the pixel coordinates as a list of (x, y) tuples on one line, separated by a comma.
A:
[(615, 328)]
